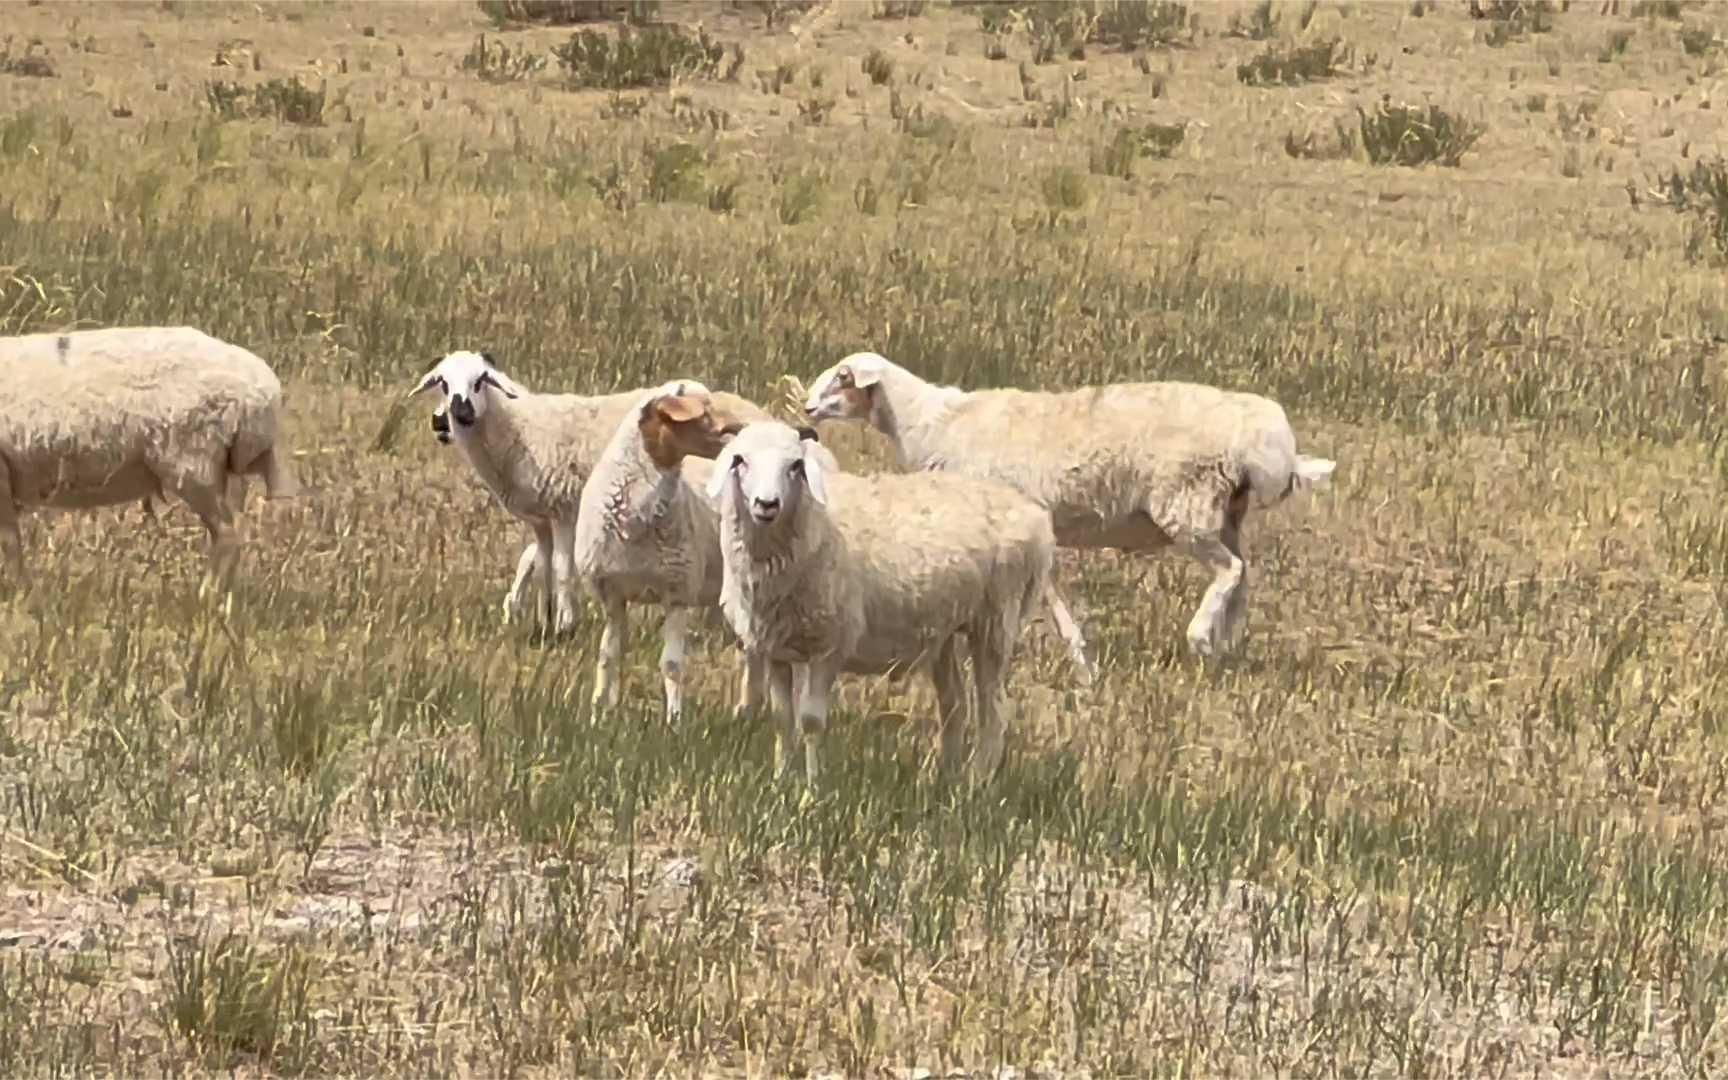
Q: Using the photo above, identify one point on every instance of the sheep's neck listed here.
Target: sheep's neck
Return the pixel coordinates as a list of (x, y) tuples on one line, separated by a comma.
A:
[(910, 410), (638, 506), (494, 439)]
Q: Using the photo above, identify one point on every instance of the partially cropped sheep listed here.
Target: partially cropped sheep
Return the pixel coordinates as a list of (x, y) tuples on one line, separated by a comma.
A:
[(99, 417), (874, 574), (647, 532), (1133, 466)]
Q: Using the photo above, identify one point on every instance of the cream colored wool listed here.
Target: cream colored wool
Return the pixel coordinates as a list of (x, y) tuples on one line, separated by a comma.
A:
[(98, 417), (874, 574), (1132, 466)]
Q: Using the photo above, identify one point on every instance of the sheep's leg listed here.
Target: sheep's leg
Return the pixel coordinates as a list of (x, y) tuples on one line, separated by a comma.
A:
[(514, 600), (11, 534), (563, 576), (784, 704), (755, 684), (673, 632), (950, 682), (817, 683), (611, 652), (992, 648), (209, 501), (1070, 631), (1205, 630), (1236, 606), (543, 558)]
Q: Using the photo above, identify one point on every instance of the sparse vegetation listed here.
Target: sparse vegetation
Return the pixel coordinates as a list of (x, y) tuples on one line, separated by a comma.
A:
[(30, 63), (287, 100), (1449, 812), (879, 66)]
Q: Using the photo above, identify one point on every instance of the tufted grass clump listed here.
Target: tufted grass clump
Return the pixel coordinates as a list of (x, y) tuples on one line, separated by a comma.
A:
[(508, 13), (287, 100), (497, 62), (1702, 193)]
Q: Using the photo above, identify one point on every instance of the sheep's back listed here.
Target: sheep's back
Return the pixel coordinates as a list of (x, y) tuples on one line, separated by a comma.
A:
[(1092, 455), (79, 408)]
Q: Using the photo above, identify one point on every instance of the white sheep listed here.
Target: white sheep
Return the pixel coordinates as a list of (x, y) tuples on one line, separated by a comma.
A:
[(1131, 466), (100, 417), (647, 532), (825, 574)]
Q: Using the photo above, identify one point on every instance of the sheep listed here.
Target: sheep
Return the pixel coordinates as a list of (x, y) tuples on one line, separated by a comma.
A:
[(824, 574), (133, 413), (1131, 466), (646, 532)]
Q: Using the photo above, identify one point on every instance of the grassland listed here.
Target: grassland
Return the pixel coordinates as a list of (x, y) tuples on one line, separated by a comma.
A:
[(1451, 812)]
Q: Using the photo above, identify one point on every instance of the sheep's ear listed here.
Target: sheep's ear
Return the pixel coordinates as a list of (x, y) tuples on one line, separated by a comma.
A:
[(865, 369), (722, 470), (813, 477), (426, 383), (491, 360), (503, 383), (679, 409)]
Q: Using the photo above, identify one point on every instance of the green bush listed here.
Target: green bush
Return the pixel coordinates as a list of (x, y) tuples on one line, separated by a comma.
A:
[(651, 56), (1295, 64), (1413, 135)]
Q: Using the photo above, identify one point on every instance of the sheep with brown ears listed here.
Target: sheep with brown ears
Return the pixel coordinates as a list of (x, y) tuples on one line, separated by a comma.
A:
[(1131, 466), (647, 533)]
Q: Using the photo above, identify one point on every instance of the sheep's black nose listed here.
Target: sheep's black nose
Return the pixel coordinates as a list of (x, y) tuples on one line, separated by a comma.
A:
[(767, 505), (462, 410)]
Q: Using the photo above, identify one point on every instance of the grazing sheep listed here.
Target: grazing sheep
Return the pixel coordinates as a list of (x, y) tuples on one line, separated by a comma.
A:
[(1132, 466), (100, 417), (879, 574), (646, 531)]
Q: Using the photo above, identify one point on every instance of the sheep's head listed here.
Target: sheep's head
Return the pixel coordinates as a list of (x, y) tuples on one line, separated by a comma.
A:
[(769, 467), (682, 418), (846, 390), (467, 380)]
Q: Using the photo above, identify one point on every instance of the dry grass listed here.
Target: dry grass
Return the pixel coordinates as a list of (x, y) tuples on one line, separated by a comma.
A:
[(1451, 812)]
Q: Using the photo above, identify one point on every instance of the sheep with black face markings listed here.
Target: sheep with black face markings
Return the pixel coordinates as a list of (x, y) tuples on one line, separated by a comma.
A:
[(881, 574), (1132, 466)]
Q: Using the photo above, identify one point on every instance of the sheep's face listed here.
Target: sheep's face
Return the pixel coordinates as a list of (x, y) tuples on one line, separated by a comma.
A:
[(843, 392), (467, 380), (681, 419), (769, 469)]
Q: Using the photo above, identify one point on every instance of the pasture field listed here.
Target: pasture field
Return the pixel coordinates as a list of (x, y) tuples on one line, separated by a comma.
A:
[(1453, 809)]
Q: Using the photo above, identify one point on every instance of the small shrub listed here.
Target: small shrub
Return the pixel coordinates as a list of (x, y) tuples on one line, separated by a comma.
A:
[(652, 56), (227, 997), (898, 9), (1614, 46), (29, 64), (1064, 190), (1656, 9), (1703, 193), (800, 197), (287, 100), (674, 172), (1514, 18), (498, 63), (1536, 103), (1066, 26), (290, 101), (504, 13), (1311, 145), (879, 66), (1295, 64), (1412, 135), (1697, 40)]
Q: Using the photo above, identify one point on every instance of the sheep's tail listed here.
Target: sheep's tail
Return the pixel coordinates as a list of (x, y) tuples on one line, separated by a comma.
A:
[(1310, 474)]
